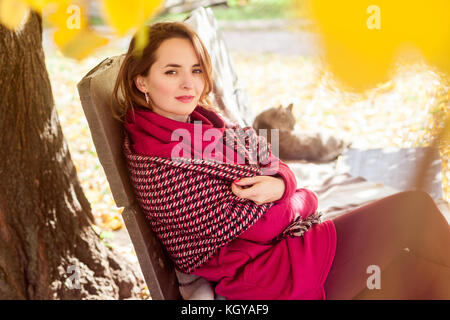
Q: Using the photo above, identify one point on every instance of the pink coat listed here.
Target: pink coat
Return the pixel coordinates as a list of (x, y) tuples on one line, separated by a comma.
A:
[(247, 267)]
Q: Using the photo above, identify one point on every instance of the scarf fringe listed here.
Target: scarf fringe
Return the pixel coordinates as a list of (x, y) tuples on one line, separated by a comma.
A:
[(299, 226)]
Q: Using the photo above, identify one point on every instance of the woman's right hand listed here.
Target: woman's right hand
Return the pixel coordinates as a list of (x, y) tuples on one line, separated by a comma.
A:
[(261, 189)]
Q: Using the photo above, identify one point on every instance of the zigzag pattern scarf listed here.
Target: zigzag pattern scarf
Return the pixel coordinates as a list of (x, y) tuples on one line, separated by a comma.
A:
[(189, 202)]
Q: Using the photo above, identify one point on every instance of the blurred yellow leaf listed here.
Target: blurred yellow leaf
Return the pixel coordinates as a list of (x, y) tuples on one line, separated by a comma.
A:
[(12, 13), (363, 38), (125, 15), (78, 45), (73, 36), (141, 40), (111, 222), (39, 5)]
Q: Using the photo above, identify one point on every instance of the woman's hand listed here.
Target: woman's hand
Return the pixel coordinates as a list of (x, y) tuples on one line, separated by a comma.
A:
[(259, 189)]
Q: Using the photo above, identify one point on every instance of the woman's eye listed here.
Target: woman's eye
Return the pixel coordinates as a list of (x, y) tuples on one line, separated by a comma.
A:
[(173, 71)]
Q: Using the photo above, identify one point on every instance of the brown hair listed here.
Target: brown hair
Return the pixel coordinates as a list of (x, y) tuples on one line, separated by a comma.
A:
[(126, 95)]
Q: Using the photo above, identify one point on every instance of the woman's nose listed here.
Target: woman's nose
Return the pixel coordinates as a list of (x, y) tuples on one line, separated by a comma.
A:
[(187, 82)]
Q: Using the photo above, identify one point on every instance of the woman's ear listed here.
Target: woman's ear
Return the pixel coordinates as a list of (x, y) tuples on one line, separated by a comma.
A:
[(139, 83)]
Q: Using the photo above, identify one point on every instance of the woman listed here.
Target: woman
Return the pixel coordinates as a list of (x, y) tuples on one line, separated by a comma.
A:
[(238, 222)]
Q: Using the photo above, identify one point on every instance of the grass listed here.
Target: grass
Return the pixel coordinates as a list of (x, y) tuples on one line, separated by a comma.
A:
[(253, 10), (256, 10)]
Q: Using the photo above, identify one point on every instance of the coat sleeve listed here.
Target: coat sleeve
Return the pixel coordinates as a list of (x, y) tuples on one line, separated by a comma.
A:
[(278, 168)]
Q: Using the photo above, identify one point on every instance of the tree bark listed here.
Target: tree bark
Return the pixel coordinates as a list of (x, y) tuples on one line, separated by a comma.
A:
[(48, 248)]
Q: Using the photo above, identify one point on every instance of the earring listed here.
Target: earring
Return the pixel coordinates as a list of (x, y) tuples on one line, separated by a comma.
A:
[(146, 97)]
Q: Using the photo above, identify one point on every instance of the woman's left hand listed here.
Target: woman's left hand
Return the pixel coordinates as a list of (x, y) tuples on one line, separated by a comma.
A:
[(259, 189)]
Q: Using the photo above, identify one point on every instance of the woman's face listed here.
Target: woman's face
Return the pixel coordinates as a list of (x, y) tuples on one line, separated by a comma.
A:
[(175, 73)]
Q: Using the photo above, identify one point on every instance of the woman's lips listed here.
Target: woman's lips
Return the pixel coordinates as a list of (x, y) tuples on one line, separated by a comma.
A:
[(185, 99)]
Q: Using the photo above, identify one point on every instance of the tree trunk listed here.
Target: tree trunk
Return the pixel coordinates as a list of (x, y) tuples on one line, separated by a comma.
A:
[(48, 248)]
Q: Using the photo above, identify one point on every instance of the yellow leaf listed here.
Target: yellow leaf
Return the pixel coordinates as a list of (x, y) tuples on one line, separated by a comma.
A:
[(363, 38), (111, 222), (141, 40), (73, 36), (39, 5), (125, 15), (115, 224), (13, 13), (78, 44)]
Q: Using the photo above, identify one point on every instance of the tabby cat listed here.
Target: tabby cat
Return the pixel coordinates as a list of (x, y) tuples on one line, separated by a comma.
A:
[(294, 144)]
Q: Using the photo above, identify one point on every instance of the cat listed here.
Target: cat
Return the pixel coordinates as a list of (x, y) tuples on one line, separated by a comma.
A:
[(295, 144)]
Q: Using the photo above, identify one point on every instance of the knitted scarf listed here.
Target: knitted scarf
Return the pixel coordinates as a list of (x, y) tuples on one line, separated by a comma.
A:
[(189, 201)]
